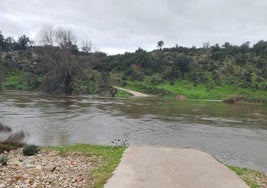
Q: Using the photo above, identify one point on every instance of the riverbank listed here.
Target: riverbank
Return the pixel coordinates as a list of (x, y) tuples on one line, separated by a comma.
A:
[(78, 166), (194, 92), (63, 166)]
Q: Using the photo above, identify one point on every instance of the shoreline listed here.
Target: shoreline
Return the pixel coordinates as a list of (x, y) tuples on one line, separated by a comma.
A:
[(66, 156)]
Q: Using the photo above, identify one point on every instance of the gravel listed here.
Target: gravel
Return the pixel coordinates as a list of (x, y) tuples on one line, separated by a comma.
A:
[(45, 169)]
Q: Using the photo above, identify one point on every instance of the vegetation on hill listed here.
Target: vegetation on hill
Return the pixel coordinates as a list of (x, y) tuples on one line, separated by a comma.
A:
[(58, 66)]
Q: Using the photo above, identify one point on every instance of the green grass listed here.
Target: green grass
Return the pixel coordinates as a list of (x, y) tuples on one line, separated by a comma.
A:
[(20, 80), (104, 159), (200, 92), (15, 81), (122, 94), (251, 177)]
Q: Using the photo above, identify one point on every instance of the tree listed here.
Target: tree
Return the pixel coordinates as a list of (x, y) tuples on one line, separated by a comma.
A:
[(227, 45), (62, 37), (2, 42), (9, 41), (23, 42), (86, 46), (46, 36), (63, 68), (65, 38), (160, 44), (245, 47), (62, 73), (260, 46), (206, 45), (183, 64)]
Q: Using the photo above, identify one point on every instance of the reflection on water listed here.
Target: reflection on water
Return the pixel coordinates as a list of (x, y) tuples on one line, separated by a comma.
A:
[(235, 135)]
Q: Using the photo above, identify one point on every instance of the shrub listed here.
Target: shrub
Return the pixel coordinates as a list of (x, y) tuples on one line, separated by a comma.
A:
[(29, 150), (232, 99), (240, 99), (3, 159), (155, 80)]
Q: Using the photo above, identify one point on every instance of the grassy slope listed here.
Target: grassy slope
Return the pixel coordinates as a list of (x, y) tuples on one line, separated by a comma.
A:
[(218, 92), (122, 94), (195, 92), (15, 81), (251, 177)]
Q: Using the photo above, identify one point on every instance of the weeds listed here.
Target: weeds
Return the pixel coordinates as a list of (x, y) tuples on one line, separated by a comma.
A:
[(29, 150), (253, 178), (14, 141), (3, 159)]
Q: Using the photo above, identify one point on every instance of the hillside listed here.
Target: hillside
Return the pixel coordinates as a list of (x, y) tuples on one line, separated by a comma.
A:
[(209, 72), (198, 73)]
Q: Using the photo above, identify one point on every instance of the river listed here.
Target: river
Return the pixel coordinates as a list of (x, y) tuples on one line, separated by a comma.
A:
[(236, 135)]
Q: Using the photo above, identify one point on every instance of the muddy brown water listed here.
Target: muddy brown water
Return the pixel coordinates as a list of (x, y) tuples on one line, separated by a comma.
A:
[(236, 135)]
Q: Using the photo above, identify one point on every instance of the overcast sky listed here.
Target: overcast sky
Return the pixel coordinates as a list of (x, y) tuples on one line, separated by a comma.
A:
[(116, 26)]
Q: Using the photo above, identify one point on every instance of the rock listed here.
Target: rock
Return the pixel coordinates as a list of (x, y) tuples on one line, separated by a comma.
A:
[(257, 115), (38, 167), (2, 185), (180, 98), (29, 166), (31, 181)]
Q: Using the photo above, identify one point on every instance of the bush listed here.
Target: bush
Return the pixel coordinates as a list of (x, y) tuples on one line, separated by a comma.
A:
[(240, 99), (234, 99), (156, 80), (3, 159), (29, 150)]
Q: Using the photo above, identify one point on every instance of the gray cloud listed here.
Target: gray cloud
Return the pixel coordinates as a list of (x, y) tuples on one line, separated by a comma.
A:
[(119, 25)]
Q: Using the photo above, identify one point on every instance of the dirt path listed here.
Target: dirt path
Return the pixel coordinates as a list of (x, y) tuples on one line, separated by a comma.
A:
[(134, 93), (171, 167)]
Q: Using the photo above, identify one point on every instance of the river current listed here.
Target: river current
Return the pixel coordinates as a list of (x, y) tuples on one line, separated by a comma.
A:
[(236, 135)]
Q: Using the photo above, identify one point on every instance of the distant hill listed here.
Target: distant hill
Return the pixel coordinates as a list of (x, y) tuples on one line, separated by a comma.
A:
[(207, 72)]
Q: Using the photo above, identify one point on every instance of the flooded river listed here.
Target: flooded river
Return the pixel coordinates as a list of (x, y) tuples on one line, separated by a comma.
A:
[(236, 135)]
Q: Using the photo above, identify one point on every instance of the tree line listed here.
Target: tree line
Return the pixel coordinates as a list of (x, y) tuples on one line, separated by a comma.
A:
[(55, 64), (241, 66)]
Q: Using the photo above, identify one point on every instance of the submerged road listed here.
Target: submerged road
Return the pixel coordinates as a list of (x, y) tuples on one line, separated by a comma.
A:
[(134, 93)]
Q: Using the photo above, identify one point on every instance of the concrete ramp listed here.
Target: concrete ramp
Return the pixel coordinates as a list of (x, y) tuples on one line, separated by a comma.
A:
[(134, 93), (155, 167)]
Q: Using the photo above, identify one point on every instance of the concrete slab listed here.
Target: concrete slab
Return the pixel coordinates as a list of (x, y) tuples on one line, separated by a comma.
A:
[(156, 167)]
